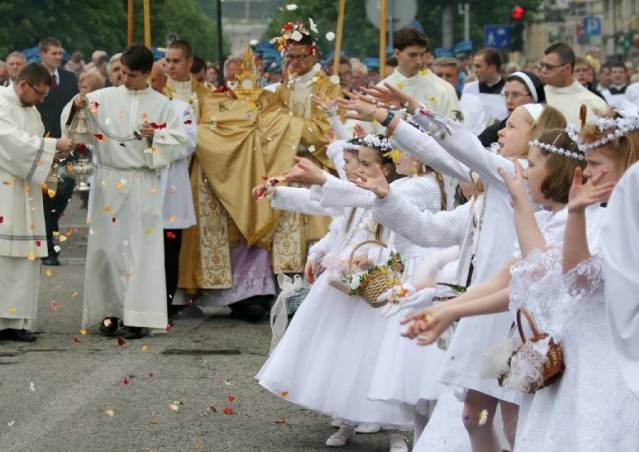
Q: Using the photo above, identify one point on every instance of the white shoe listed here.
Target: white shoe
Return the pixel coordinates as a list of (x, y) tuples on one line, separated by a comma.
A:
[(340, 437), (368, 427), (398, 443), (337, 423)]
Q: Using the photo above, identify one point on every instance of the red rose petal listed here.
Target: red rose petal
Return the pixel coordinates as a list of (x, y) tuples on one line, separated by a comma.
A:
[(280, 421), (38, 243), (231, 398), (1, 220), (229, 411), (170, 235), (188, 122), (125, 381), (121, 341)]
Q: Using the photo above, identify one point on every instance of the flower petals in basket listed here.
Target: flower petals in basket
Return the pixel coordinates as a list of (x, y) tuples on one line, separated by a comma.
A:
[(370, 284), (537, 363)]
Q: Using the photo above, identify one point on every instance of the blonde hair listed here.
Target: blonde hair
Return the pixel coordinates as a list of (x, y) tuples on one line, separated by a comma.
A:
[(625, 149), (93, 78)]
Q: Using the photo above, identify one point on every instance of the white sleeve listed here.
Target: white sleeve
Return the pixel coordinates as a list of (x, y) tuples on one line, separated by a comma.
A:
[(428, 151), (298, 199), (421, 191), (323, 246), (339, 193), (425, 229), (466, 147)]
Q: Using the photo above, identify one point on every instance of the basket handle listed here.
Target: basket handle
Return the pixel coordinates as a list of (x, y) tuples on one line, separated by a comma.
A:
[(367, 242), (531, 324)]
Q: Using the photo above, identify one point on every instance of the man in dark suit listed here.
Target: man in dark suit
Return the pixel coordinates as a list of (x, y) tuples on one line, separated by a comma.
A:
[(63, 88)]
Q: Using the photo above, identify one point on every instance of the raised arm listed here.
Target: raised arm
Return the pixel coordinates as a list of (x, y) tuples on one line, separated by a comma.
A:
[(341, 193), (298, 199)]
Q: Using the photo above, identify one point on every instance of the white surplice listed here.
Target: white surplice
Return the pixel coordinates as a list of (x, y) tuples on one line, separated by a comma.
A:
[(25, 161), (178, 211), (125, 254), (620, 250)]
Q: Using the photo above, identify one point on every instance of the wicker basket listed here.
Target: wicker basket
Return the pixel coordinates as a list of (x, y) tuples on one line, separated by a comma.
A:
[(554, 365), (377, 281)]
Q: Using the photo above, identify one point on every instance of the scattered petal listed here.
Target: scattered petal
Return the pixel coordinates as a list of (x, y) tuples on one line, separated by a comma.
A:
[(57, 248), (109, 412), (148, 231), (1, 219), (227, 383), (197, 444), (107, 322), (330, 36), (171, 235), (145, 348), (54, 305), (174, 407), (172, 218), (12, 310), (231, 398), (229, 411), (74, 294), (108, 209), (63, 238), (83, 331), (121, 341), (11, 423), (32, 386), (77, 340), (48, 273), (483, 417), (125, 381), (280, 421), (31, 256), (284, 394)]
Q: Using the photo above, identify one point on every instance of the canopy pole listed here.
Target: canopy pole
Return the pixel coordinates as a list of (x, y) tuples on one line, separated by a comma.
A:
[(130, 22), (383, 19), (339, 37), (147, 22)]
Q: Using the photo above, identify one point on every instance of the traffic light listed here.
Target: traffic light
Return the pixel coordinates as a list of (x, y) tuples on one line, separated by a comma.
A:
[(517, 27)]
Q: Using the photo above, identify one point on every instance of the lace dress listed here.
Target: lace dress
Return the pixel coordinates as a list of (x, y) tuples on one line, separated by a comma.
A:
[(589, 408)]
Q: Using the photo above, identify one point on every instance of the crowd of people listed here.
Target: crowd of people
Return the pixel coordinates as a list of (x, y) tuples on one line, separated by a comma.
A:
[(465, 229)]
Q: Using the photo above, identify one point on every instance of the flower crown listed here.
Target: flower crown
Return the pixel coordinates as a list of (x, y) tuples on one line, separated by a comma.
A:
[(575, 155), (615, 128), (371, 140), (296, 32)]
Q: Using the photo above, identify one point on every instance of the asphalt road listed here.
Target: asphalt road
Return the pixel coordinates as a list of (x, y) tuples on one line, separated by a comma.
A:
[(75, 392)]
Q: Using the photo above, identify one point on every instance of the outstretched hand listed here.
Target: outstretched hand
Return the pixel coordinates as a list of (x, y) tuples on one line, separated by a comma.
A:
[(376, 183), (391, 97), (358, 106), (305, 172), (428, 324), (593, 191)]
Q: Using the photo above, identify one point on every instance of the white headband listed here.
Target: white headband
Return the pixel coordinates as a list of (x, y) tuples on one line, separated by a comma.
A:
[(534, 110), (529, 83)]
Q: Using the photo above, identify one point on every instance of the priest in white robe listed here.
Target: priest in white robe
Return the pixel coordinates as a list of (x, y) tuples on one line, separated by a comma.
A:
[(25, 162), (137, 136)]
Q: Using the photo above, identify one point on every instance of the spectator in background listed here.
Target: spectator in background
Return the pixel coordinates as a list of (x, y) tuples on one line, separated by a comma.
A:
[(101, 65), (604, 77), (489, 84), (90, 81), (212, 74), (389, 68), (75, 64), (584, 73), (15, 61), (562, 91), (532, 66), (615, 95), (114, 71), (429, 59), (63, 87), (4, 73), (198, 70), (95, 58), (345, 72), (510, 69), (474, 117), (360, 74)]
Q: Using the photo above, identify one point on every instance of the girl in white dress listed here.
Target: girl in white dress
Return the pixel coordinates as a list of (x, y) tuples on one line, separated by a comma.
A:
[(562, 285), (324, 360), (493, 244)]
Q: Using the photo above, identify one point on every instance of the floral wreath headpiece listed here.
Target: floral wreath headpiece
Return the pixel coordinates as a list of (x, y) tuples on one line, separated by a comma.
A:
[(575, 154), (371, 140), (613, 128), (296, 32)]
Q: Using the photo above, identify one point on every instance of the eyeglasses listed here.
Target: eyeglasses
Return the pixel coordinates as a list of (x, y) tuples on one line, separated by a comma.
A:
[(550, 67), (514, 95), (37, 91)]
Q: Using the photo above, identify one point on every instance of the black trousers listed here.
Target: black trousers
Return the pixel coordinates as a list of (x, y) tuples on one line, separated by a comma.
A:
[(54, 208), (172, 244)]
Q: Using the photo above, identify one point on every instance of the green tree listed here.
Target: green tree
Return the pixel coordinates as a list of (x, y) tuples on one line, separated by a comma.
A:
[(361, 38), (90, 25)]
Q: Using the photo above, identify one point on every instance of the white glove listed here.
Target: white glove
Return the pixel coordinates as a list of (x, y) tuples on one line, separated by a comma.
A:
[(420, 299)]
